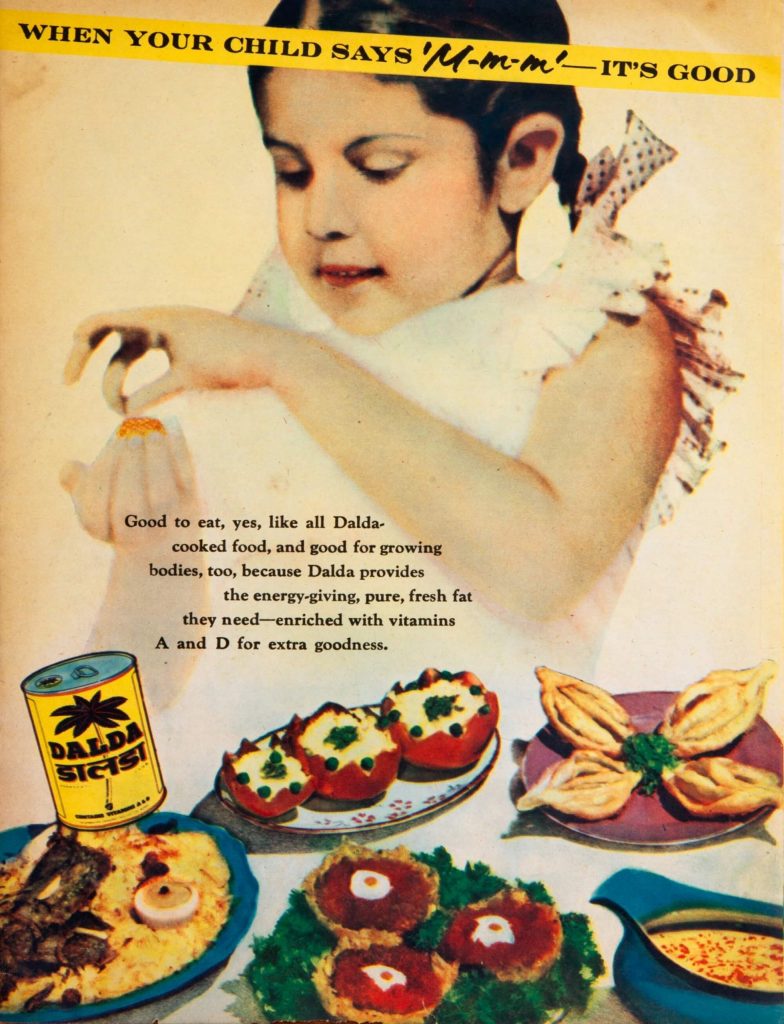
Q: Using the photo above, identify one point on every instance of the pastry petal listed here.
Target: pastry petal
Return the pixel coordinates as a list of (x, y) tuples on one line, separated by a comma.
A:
[(713, 712), (588, 785), (716, 786), (584, 714)]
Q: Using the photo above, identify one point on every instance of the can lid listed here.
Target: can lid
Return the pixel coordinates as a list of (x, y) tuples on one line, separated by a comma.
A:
[(75, 673)]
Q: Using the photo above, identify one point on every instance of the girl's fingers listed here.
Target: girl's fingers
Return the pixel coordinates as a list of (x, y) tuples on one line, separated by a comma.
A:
[(138, 331), (91, 490), (135, 344), (91, 332), (85, 343), (182, 463), (165, 386), (71, 475), (161, 489), (129, 492), (112, 387)]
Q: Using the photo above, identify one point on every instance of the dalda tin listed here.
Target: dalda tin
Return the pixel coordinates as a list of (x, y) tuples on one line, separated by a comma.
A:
[(95, 741)]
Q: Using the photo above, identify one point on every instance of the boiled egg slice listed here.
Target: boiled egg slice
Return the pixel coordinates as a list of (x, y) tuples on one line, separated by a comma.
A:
[(384, 977), (369, 885), (165, 902), (490, 929)]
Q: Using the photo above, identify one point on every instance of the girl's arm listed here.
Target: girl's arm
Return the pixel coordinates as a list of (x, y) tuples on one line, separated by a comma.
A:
[(532, 534)]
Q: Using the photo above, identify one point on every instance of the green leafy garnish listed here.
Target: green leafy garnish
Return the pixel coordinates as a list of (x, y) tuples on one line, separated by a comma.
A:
[(342, 736), (458, 888), (273, 769), (536, 891), (649, 753), (282, 967), (429, 933), (283, 963), (438, 707)]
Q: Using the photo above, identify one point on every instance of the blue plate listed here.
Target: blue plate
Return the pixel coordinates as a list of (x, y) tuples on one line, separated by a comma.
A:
[(244, 890)]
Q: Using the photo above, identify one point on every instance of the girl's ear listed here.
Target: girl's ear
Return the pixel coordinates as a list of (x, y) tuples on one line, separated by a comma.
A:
[(527, 162)]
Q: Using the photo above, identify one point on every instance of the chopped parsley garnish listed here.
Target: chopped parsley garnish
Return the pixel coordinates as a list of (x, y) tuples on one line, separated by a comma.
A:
[(428, 935), (649, 753), (342, 736), (281, 971), (283, 965), (273, 768), (439, 707), (458, 888)]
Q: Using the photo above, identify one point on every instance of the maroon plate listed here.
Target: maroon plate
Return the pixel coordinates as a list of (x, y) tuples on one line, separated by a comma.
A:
[(656, 820)]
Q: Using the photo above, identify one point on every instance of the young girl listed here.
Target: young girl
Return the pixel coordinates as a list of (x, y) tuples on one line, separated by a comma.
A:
[(400, 366)]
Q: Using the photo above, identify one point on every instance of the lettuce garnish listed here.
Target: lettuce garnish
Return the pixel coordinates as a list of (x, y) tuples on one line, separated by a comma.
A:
[(283, 963)]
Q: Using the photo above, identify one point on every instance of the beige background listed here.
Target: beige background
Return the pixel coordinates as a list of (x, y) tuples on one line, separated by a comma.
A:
[(133, 182)]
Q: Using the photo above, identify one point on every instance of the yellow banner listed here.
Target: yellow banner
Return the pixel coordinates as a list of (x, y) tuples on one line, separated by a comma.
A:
[(206, 43)]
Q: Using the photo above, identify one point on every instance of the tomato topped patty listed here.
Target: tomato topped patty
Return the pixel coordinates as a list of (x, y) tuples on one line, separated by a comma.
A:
[(384, 983), (516, 938), (383, 892)]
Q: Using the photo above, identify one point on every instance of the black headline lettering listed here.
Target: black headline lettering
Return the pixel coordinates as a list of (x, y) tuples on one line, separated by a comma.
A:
[(66, 33)]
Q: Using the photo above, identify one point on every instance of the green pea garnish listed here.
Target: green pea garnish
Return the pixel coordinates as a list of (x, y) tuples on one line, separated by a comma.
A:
[(456, 729), (331, 764), (394, 715), (243, 778), (295, 787), (485, 709), (416, 730), (475, 690), (264, 792), (366, 764), (276, 757)]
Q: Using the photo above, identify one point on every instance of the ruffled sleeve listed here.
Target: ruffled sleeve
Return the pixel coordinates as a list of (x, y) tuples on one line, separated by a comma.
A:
[(603, 273)]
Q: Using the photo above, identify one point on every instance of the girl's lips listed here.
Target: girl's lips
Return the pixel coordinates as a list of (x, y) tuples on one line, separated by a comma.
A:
[(345, 276)]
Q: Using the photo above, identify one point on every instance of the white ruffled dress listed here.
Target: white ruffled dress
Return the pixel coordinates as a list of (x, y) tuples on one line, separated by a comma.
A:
[(478, 363)]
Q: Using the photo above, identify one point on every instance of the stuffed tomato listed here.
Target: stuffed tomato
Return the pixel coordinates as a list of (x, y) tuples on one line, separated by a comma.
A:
[(266, 777), (441, 720), (349, 753)]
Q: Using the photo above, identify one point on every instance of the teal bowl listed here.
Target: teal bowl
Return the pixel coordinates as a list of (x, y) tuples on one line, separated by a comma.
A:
[(656, 987)]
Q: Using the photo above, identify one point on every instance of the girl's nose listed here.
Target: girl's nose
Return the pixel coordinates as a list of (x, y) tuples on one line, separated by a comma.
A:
[(329, 212)]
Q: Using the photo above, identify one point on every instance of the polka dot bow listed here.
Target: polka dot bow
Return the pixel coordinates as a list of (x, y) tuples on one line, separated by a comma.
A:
[(610, 180)]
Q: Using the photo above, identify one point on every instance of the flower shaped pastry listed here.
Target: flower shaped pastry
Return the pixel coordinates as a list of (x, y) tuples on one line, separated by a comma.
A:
[(612, 758)]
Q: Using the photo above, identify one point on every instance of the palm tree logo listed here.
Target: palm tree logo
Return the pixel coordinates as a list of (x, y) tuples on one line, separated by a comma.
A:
[(79, 716), (100, 714)]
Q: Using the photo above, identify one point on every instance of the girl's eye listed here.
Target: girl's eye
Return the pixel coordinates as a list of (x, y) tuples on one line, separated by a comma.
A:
[(382, 167), (293, 179), (292, 173)]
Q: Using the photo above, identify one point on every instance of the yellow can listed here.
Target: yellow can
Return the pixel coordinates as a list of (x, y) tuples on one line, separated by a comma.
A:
[(95, 741)]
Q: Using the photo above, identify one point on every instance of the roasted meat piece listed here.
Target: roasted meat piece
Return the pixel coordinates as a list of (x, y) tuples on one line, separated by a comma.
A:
[(40, 925)]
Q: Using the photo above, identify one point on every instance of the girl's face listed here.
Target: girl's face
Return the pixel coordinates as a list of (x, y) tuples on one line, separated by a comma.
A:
[(381, 211)]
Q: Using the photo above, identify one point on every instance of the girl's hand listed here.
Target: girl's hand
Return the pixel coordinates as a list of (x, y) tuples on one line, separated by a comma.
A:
[(205, 350), (146, 476)]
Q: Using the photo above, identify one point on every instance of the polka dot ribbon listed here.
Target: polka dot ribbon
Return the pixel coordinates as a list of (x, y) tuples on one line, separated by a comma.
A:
[(610, 180)]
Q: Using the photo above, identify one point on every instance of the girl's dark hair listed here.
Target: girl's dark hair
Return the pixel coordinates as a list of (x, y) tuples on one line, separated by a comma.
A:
[(490, 109)]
